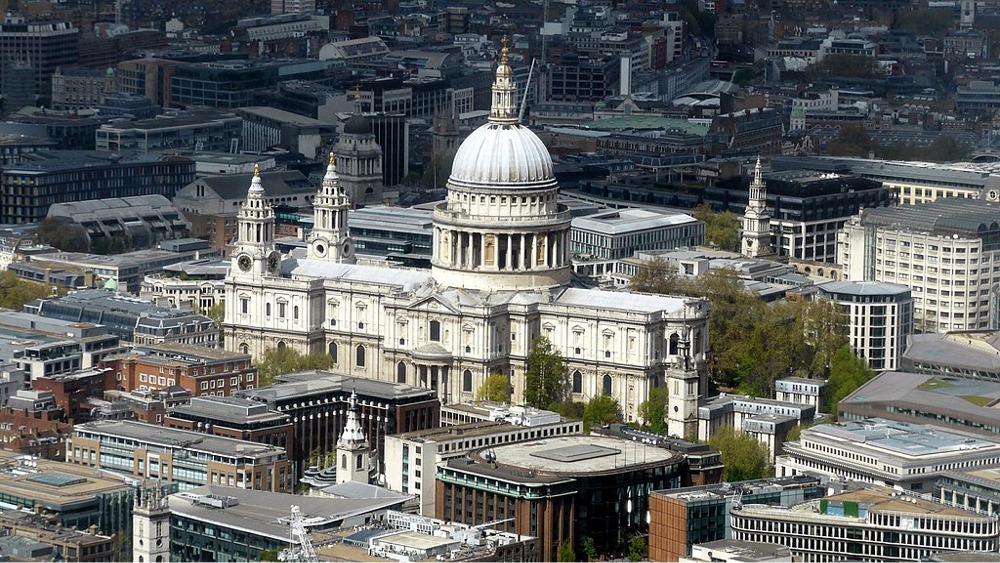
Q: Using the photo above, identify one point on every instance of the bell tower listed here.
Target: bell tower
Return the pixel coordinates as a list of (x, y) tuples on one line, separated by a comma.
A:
[(682, 393), (756, 239), (331, 238), (150, 525), (255, 255), (353, 449)]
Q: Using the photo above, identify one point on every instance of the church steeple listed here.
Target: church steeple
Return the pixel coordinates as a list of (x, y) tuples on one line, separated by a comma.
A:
[(756, 240), (331, 238), (353, 448), (255, 254)]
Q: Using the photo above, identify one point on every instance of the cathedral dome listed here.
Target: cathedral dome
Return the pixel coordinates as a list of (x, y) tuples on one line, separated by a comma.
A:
[(357, 124), (502, 155)]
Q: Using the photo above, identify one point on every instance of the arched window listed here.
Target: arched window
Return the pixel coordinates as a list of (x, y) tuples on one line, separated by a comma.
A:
[(244, 348), (332, 348), (401, 372), (467, 381), (674, 339), (697, 349), (577, 382), (360, 462), (359, 360), (295, 312), (435, 331), (267, 309), (343, 461), (281, 344), (606, 387)]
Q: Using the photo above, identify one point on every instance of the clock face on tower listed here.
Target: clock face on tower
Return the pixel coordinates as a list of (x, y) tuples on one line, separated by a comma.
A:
[(273, 261), (245, 263)]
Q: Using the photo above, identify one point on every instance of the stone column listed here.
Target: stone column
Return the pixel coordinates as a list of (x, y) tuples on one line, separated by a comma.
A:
[(520, 258), (508, 265)]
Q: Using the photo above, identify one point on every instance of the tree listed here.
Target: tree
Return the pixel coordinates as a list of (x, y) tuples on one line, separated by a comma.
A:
[(601, 410), (64, 234), (279, 361), (655, 276), (721, 229), (589, 549), (15, 292), (566, 552), (496, 388), (653, 410), (847, 373), (544, 377), (852, 140), (568, 409), (269, 555), (743, 456), (637, 548), (217, 313)]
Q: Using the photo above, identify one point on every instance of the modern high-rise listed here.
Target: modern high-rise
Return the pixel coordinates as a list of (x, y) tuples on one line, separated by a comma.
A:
[(40, 46), (946, 251)]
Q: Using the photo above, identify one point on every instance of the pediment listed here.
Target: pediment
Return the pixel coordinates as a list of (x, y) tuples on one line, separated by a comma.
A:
[(433, 302)]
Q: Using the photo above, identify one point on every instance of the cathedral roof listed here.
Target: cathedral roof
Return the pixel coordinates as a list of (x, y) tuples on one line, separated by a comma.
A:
[(360, 273), (600, 300), (503, 153)]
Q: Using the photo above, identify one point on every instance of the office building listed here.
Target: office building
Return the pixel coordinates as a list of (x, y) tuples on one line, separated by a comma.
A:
[(801, 390), (398, 234), (177, 131), (75, 89), (411, 455), (877, 523), (67, 132), (43, 347), (266, 128), (26, 536), (128, 318), (231, 84), (740, 411), (233, 417), (681, 518), (965, 354), (197, 285), (962, 404), (976, 489), (191, 459), (199, 370), (37, 47), (66, 495), (879, 318), (943, 251), (138, 222), (563, 489), (48, 177), (886, 452), (316, 402), (214, 522), (738, 551), (223, 195), (623, 232)]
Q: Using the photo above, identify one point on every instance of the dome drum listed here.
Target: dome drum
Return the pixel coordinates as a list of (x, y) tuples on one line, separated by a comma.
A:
[(443, 215)]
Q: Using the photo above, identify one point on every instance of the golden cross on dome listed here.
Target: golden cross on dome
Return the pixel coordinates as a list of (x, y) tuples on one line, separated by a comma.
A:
[(331, 158), (504, 51), (357, 91), (256, 170)]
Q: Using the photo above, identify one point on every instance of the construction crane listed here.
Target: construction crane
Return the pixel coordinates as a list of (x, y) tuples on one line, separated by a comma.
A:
[(524, 99), (297, 531)]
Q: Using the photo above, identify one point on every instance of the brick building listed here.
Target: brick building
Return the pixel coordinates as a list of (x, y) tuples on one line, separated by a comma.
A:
[(233, 417), (198, 370)]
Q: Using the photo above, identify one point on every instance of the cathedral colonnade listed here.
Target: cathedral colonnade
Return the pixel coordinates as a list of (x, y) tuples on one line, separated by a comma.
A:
[(506, 252)]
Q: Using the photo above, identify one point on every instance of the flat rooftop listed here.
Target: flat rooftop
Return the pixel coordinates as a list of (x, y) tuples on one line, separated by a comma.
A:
[(579, 455), (55, 485), (724, 490), (161, 436), (314, 382), (631, 220), (900, 438), (971, 350), (266, 513), (887, 499)]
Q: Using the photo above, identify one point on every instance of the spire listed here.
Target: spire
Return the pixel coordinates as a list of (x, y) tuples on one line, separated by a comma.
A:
[(504, 109), (353, 433)]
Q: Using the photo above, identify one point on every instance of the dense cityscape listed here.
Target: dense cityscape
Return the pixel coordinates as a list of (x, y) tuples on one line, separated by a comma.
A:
[(476, 280)]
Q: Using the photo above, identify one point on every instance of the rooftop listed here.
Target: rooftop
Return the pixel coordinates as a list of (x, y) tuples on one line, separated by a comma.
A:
[(54, 485), (950, 216), (266, 513), (303, 384), (725, 490), (631, 220), (900, 438), (171, 438), (744, 551), (864, 288), (969, 350)]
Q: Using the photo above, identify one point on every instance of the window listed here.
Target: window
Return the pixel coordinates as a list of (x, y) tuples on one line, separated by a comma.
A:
[(267, 309), (204, 386), (244, 305), (467, 381), (359, 360), (333, 351), (401, 372), (435, 331), (295, 312), (606, 387), (282, 309), (577, 382)]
